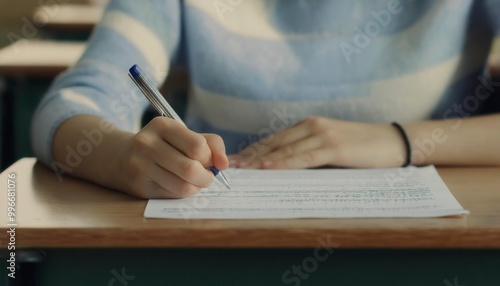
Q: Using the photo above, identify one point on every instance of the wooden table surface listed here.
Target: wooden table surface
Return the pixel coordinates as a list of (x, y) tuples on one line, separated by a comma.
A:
[(69, 17), (39, 58), (74, 213)]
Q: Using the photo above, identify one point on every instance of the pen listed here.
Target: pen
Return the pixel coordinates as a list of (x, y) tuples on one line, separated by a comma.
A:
[(140, 78)]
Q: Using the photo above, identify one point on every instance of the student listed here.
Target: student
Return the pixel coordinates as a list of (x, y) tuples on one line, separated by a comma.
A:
[(309, 83)]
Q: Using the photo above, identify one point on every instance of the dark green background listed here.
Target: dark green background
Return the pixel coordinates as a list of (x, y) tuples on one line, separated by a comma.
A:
[(266, 267)]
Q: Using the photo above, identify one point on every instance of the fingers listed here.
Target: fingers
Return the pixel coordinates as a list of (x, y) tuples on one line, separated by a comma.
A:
[(209, 149), (191, 171), (168, 160), (171, 159), (309, 159), (251, 155), (188, 142), (165, 184), (302, 146), (301, 154), (218, 149)]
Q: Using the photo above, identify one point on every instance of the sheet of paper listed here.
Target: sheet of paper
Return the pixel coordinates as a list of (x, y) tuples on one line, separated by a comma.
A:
[(322, 193)]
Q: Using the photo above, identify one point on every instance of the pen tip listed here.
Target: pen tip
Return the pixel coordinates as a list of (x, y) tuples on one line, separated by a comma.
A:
[(223, 179)]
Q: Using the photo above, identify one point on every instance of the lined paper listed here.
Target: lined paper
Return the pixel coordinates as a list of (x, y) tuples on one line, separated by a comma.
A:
[(321, 193)]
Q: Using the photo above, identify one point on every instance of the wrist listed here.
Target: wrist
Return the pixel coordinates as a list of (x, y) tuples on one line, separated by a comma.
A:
[(406, 142), (114, 173)]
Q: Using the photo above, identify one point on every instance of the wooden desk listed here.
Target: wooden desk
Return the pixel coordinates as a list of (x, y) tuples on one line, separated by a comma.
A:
[(79, 225), (75, 213), (28, 68), (69, 17), (39, 58)]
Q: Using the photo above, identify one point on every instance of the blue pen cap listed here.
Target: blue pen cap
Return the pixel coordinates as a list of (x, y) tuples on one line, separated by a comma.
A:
[(135, 71)]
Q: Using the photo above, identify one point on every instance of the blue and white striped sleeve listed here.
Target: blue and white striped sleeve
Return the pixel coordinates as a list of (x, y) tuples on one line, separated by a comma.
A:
[(131, 32)]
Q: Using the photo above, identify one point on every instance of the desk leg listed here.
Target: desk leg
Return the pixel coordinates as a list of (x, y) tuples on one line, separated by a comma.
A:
[(27, 264), (29, 260)]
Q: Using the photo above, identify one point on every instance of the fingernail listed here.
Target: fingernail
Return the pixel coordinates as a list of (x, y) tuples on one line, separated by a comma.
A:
[(233, 163), (267, 164)]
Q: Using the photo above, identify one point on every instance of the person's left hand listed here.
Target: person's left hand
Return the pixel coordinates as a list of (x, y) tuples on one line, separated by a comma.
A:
[(317, 141)]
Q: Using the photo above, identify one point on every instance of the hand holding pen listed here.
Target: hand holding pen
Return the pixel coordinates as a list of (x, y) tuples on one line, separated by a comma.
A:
[(172, 161)]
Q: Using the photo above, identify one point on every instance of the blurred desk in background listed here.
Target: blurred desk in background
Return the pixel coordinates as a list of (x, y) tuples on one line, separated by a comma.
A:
[(68, 19), (27, 69), (39, 58)]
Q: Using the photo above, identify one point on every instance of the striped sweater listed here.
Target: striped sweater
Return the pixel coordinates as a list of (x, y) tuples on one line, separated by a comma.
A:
[(257, 66)]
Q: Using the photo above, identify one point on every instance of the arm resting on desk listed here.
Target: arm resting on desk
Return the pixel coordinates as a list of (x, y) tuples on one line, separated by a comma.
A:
[(470, 141), (318, 141)]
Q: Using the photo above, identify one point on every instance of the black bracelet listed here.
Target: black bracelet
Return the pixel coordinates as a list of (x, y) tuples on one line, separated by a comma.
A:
[(406, 141)]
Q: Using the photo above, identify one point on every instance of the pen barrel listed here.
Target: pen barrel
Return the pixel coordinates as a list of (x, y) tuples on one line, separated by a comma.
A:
[(153, 94)]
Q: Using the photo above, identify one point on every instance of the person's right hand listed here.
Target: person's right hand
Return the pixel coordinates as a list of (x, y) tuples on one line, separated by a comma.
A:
[(167, 160)]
